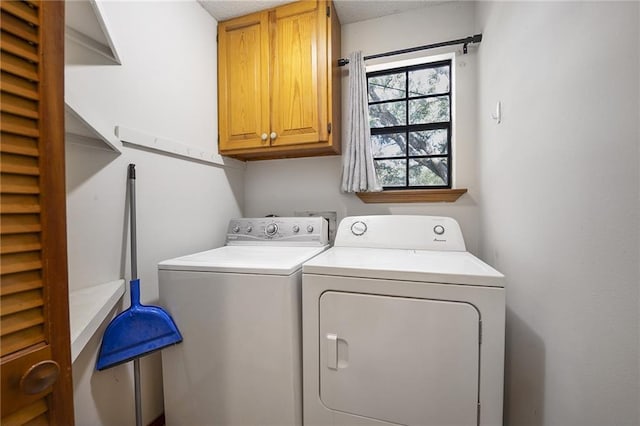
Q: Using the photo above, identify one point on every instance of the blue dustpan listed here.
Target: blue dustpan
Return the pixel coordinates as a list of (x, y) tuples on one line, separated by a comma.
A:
[(136, 332), (141, 329)]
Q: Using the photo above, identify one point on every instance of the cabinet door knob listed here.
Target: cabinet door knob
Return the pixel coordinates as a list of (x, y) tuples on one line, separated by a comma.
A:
[(264, 136), (39, 377), (273, 135)]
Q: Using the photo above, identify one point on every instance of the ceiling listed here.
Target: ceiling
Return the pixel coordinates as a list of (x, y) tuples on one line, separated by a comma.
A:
[(349, 11)]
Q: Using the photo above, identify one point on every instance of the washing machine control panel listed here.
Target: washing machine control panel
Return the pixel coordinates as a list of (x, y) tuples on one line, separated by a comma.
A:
[(278, 230)]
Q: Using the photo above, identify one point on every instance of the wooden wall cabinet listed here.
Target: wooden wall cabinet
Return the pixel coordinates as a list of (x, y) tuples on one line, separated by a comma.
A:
[(279, 88)]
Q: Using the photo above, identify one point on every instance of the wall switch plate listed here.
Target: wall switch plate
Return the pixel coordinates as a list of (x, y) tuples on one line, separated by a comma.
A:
[(332, 217)]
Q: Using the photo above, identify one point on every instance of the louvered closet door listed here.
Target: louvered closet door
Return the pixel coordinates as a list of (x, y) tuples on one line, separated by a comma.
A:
[(34, 328)]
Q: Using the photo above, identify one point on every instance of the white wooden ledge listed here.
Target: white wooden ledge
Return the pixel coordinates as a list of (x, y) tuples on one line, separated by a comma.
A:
[(88, 308)]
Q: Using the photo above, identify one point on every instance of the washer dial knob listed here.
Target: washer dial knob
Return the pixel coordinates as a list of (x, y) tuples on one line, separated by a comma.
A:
[(271, 229), (296, 229), (310, 228), (358, 228), (249, 228), (236, 229), (438, 229)]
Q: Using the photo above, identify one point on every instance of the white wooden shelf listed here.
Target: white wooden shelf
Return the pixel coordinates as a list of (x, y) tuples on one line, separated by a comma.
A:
[(88, 308), (84, 130), (86, 25)]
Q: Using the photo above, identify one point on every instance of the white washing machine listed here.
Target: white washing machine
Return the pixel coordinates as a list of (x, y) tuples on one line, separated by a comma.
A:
[(239, 310), (401, 325)]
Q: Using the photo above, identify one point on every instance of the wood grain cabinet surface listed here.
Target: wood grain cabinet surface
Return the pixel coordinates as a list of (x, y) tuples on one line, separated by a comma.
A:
[(279, 82)]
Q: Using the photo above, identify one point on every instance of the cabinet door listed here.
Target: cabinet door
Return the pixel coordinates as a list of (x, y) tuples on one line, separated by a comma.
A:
[(299, 74), (35, 345), (243, 82)]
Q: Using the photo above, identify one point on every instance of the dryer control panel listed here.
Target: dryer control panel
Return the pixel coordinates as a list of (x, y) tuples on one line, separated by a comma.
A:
[(303, 231), (401, 232)]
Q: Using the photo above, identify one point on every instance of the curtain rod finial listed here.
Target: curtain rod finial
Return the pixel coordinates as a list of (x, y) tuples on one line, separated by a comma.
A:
[(342, 62)]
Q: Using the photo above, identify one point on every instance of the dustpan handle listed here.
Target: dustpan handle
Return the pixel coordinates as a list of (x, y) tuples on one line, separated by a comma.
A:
[(131, 175), (134, 288), (135, 285)]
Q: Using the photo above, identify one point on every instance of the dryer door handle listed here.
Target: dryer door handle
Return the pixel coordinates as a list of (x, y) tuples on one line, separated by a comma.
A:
[(332, 351)]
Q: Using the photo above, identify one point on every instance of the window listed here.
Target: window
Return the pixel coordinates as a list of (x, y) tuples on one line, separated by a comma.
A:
[(411, 121)]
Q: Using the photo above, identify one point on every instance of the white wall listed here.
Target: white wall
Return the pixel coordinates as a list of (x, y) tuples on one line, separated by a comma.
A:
[(166, 87), (285, 186), (560, 186), (565, 233)]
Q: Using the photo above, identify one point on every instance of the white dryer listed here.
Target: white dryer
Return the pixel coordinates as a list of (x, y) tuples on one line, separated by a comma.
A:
[(401, 325), (239, 310)]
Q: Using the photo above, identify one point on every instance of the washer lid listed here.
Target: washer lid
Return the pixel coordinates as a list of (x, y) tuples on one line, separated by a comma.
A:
[(266, 260), (448, 267)]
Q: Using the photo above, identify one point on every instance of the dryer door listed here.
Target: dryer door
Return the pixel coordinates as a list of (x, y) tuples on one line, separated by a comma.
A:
[(400, 360)]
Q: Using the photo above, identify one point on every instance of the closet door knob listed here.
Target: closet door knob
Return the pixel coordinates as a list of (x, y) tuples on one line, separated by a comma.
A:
[(264, 136), (39, 377), (273, 135)]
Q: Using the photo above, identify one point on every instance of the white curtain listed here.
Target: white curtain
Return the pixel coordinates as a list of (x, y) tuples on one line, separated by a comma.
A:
[(358, 173)]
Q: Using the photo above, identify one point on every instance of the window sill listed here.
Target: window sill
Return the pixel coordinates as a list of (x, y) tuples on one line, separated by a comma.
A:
[(412, 196)]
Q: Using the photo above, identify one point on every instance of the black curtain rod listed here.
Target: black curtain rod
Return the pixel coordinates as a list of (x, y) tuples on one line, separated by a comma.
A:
[(464, 41)]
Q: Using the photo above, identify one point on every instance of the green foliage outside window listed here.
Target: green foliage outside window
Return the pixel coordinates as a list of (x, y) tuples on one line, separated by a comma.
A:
[(410, 120)]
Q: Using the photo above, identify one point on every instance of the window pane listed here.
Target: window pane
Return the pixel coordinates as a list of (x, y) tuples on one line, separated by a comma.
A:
[(387, 87), (428, 142), (391, 172), (388, 114), (430, 110), (390, 145), (428, 172), (429, 81)]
